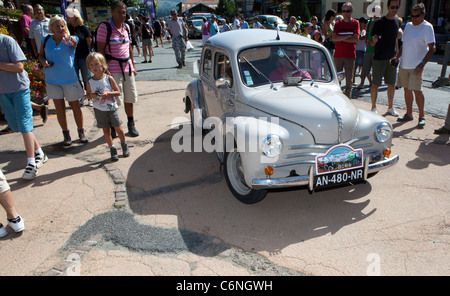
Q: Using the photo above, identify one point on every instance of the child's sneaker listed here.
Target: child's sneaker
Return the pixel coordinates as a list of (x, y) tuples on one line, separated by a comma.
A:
[(17, 224), (114, 156), (125, 150), (3, 231), (30, 172), (40, 159)]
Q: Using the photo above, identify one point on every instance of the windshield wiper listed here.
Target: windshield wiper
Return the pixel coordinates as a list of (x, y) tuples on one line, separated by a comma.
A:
[(272, 86)]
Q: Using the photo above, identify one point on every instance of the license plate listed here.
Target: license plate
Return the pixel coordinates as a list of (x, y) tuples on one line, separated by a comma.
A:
[(339, 165), (337, 178)]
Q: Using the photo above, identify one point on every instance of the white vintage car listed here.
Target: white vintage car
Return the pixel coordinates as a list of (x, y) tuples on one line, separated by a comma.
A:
[(271, 106)]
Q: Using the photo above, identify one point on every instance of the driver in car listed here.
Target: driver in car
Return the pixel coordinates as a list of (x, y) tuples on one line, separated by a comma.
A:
[(286, 69)]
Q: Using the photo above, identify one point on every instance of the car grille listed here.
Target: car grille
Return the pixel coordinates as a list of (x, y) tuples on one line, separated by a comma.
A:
[(306, 154)]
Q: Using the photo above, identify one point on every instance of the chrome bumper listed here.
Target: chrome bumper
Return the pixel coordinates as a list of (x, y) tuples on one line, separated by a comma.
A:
[(268, 183)]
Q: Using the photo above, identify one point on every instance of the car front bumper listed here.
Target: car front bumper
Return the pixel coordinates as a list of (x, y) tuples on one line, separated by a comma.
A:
[(270, 183)]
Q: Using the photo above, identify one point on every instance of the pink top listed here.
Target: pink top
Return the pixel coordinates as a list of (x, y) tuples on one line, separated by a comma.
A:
[(25, 21), (205, 29), (120, 47)]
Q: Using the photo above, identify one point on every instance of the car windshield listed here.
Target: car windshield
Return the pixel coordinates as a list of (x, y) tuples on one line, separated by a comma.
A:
[(197, 23), (275, 63)]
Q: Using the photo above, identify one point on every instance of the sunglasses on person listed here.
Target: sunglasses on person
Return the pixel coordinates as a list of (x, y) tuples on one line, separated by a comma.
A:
[(346, 11), (394, 7), (415, 15)]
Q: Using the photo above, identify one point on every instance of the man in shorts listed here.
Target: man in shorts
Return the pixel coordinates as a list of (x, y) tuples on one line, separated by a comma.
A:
[(16, 104), (384, 38), (119, 54), (6, 200), (418, 47)]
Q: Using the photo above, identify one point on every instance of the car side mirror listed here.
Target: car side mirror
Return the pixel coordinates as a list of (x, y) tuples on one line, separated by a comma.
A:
[(223, 82), (341, 76)]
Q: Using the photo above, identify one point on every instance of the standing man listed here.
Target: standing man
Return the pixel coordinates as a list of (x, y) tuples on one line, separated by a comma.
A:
[(38, 28), (119, 55), (177, 29), (384, 38), (345, 35), (418, 47), (292, 26), (236, 22), (25, 21)]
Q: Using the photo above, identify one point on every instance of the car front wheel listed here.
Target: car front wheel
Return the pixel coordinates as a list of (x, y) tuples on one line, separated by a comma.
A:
[(234, 175)]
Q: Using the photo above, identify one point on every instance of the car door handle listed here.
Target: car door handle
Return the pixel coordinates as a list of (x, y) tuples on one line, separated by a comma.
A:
[(230, 103)]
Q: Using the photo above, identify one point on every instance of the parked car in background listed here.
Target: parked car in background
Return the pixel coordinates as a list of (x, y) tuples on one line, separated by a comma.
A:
[(268, 20), (274, 112), (195, 28)]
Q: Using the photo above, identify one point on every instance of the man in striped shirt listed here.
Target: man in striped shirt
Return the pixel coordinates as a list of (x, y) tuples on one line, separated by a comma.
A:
[(119, 54)]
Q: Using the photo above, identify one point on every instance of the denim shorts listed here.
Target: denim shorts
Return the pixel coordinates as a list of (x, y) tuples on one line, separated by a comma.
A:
[(359, 57), (18, 111)]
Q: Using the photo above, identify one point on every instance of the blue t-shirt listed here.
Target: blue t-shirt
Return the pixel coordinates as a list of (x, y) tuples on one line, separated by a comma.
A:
[(63, 71), (10, 52)]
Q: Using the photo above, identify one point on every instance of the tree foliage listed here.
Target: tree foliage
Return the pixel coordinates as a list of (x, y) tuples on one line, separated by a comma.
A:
[(299, 8), (225, 8)]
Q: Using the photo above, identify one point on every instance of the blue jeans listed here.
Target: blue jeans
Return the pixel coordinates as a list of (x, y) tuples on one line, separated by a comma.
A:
[(81, 66)]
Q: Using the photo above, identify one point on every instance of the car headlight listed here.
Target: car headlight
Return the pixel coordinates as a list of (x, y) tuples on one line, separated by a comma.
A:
[(272, 146), (383, 132)]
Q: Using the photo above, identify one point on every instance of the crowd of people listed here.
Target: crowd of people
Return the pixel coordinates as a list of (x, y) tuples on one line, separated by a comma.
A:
[(79, 66)]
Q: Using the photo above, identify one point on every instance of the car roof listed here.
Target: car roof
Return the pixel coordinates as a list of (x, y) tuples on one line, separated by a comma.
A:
[(236, 40)]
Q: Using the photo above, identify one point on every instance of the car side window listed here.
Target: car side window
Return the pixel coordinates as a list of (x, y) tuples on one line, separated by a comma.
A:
[(207, 63), (222, 67)]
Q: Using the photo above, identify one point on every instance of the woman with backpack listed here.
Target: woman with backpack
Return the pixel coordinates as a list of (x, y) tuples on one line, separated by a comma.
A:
[(146, 33)]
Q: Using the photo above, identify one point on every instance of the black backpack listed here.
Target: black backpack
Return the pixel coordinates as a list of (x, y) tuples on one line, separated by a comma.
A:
[(108, 35), (109, 57)]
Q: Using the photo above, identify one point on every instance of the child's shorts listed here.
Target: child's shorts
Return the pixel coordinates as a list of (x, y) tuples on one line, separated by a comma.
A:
[(18, 112), (107, 118)]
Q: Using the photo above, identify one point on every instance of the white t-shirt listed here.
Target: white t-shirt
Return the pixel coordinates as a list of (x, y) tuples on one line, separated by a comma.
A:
[(415, 44), (236, 24)]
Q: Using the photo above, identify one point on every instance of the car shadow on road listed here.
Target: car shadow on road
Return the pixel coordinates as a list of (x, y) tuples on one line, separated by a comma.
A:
[(191, 186)]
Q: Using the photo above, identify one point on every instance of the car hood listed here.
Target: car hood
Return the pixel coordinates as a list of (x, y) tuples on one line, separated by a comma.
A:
[(315, 114)]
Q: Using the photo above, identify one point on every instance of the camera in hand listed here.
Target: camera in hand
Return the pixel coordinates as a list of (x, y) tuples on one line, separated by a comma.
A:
[(394, 63)]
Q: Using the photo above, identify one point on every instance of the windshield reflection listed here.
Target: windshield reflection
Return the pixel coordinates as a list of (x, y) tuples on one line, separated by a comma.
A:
[(279, 62)]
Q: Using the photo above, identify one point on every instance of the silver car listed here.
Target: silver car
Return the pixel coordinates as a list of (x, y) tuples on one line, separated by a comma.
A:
[(270, 105)]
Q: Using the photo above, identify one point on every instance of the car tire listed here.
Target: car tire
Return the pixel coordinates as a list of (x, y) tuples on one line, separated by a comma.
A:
[(235, 180)]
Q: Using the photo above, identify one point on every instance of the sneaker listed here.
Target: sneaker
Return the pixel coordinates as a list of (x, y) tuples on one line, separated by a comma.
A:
[(392, 111), (405, 118), (114, 156), (374, 110), (30, 172), (132, 131), (40, 159), (3, 231), (67, 139), (90, 103), (125, 150), (17, 224), (442, 131), (81, 101), (421, 123), (81, 135)]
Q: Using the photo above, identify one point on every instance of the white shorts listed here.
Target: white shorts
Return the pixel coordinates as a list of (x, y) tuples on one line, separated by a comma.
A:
[(4, 186), (70, 92)]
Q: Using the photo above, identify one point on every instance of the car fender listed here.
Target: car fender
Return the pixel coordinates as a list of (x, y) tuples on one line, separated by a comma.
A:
[(246, 134), (192, 99)]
